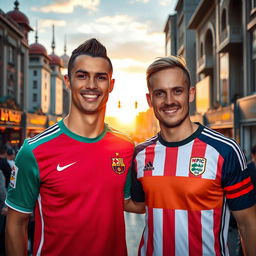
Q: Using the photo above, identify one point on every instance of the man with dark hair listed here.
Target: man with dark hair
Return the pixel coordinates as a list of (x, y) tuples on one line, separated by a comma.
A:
[(73, 174), (188, 176)]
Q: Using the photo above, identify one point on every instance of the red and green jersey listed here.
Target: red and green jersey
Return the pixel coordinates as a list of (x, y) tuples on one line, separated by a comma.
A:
[(76, 188)]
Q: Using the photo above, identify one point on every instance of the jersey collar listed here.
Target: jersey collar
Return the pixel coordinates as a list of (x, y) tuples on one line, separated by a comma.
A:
[(182, 142)]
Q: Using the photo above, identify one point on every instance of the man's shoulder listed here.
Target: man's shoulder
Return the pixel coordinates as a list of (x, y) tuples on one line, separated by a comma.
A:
[(120, 135), (227, 147), (219, 141), (48, 134), (141, 146)]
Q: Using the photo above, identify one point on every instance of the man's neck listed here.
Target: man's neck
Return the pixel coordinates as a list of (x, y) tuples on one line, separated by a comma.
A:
[(179, 133), (86, 125)]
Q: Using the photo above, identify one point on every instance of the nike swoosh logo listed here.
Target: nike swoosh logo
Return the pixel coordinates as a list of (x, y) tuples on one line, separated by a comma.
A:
[(61, 168)]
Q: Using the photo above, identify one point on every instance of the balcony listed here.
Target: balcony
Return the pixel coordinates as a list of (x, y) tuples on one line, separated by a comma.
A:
[(232, 35), (205, 64)]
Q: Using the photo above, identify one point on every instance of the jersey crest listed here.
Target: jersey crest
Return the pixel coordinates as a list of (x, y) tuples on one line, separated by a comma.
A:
[(118, 165), (197, 165)]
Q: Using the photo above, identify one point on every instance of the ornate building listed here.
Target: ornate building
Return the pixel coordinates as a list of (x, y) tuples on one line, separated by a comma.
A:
[(14, 52)]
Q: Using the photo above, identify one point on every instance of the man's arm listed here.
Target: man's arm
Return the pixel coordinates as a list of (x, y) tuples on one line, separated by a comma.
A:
[(246, 221), (132, 206), (16, 239)]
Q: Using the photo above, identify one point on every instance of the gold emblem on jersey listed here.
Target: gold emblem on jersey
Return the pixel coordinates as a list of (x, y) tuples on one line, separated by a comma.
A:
[(197, 165), (118, 165)]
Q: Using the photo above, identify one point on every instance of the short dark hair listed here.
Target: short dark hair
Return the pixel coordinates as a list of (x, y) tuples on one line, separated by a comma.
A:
[(168, 62), (91, 47), (253, 150)]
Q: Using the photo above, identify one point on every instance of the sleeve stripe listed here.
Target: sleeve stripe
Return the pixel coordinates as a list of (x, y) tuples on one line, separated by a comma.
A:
[(230, 143), (18, 210), (240, 193), (225, 139), (238, 185)]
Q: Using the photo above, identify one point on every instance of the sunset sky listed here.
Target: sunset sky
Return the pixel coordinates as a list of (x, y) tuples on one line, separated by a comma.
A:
[(132, 31)]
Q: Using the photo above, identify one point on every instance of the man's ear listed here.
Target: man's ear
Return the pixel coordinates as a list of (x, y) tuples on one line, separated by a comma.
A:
[(192, 92), (111, 86), (67, 82), (149, 100)]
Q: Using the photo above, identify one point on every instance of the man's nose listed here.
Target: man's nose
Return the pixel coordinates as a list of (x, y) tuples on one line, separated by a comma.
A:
[(169, 99), (91, 83)]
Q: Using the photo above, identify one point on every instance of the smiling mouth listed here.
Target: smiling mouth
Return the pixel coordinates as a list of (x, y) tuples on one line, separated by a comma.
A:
[(170, 111), (90, 95)]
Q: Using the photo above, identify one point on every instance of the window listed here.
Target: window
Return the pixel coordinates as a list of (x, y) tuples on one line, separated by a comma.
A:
[(223, 20), (34, 84), (224, 79), (201, 50), (253, 4), (35, 72), (34, 97), (11, 55), (254, 44), (34, 59), (253, 89)]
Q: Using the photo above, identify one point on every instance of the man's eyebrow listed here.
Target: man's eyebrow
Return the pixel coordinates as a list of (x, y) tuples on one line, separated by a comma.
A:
[(86, 72), (82, 71)]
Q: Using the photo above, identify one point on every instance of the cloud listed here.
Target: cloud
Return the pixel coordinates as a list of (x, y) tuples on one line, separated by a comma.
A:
[(129, 65), (165, 2), (67, 6), (126, 36), (48, 23), (138, 1)]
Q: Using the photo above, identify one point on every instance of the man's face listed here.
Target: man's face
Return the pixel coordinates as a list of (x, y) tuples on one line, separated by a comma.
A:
[(169, 96), (90, 84)]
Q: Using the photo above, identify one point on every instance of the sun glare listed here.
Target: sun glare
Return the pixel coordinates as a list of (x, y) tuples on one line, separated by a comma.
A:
[(122, 119)]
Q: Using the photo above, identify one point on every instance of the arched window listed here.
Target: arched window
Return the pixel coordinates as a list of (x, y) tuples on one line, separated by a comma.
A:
[(201, 50), (223, 20)]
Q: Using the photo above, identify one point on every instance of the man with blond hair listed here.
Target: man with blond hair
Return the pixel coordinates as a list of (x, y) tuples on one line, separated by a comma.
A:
[(189, 176)]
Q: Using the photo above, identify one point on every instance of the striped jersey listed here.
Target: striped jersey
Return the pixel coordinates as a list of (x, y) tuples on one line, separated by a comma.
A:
[(76, 188), (189, 188)]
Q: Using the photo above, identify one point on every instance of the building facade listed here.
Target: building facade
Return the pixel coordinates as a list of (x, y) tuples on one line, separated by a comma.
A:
[(31, 82), (14, 52)]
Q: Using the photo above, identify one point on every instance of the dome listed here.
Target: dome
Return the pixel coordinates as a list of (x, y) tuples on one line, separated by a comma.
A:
[(55, 60), (18, 16), (65, 59), (37, 48)]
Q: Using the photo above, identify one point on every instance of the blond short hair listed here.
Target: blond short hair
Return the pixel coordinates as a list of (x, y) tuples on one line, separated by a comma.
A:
[(168, 62)]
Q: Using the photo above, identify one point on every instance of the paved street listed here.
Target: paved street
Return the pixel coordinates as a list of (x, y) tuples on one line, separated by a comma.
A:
[(134, 228)]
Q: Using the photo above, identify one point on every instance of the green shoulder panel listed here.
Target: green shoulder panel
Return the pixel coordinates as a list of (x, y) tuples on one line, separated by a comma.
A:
[(24, 184)]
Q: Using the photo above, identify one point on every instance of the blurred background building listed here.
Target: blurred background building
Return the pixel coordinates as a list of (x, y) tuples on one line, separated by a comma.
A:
[(32, 92), (218, 40)]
